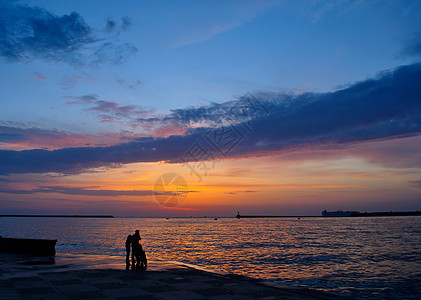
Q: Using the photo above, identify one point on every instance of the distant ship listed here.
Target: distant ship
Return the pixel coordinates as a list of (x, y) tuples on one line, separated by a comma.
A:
[(339, 213)]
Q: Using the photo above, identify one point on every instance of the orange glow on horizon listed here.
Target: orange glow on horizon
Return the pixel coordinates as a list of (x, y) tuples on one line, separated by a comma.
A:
[(283, 182)]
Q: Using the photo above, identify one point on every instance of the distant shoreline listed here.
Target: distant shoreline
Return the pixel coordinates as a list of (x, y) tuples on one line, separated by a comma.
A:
[(365, 214), (58, 216)]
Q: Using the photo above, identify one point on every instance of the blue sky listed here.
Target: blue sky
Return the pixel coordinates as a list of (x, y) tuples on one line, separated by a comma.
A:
[(92, 79), (184, 53)]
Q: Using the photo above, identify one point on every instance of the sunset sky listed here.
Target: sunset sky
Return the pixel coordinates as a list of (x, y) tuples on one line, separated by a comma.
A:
[(263, 107)]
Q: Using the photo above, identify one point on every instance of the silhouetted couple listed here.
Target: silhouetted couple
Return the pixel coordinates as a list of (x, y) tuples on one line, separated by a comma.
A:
[(139, 260)]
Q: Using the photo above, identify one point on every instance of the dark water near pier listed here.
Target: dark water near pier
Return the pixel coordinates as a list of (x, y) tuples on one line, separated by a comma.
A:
[(377, 257)]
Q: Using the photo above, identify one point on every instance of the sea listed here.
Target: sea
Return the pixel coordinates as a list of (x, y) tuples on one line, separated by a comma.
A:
[(361, 257)]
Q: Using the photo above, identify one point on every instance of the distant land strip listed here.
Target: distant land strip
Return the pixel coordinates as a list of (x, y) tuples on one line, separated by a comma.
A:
[(258, 216), (388, 214), (59, 216), (364, 214)]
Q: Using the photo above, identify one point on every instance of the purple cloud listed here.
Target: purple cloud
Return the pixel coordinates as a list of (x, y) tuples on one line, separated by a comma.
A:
[(107, 111), (416, 183), (38, 76)]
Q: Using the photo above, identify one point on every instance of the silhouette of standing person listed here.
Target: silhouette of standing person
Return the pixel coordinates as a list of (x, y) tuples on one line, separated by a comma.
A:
[(128, 245), (138, 252)]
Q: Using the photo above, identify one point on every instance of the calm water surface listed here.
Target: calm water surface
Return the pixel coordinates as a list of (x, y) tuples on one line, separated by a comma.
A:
[(362, 257)]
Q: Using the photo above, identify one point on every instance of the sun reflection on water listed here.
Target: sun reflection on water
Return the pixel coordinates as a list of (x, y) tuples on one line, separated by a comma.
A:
[(351, 256)]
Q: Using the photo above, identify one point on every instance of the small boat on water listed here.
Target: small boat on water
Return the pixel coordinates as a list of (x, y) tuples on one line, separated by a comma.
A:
[(29, 246)]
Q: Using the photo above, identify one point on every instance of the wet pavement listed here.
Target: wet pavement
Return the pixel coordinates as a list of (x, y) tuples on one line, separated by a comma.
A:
[(104, 277)]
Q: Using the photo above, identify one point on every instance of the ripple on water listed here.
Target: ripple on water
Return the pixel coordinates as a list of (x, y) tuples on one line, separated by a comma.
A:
[(361, 257)]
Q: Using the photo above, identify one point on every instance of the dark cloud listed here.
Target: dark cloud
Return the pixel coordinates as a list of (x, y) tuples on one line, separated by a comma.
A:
[(28, 33), (385, 107), (113, 26), (86, 191), (81, 191), (412, 46), (31, 31), (110, 26), (13, 134), (25, 137), (113, 54), (74, 160), (127, 23)]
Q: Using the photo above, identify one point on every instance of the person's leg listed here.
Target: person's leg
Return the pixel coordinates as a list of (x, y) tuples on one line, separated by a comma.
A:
[(138, 261), (133, 257), (144, 259), (128, 256)]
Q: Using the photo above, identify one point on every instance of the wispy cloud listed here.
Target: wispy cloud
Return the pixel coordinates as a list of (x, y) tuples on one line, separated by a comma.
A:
[(69, 82), (416, 183), (386, 107), (110, 25), (185, 120), (318, 9), (131, 84), (238, 192), (390, 153), (118, 26), (108, 111), (81, 191), (28, 33), (38, 76), (85, 99), (412, 46), (62, 205), (126, 23), (239, 12), (86, 191), (112, 53), (24, 138)]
